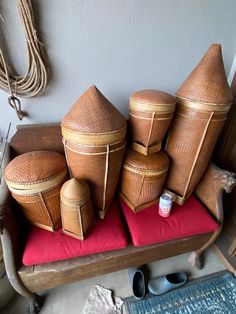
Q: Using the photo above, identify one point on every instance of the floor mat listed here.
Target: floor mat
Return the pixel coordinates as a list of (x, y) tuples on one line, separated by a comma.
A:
[(213, 294)]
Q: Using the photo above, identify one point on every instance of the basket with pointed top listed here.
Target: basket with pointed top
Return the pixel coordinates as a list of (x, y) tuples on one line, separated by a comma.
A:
[(204, 100), (94, 139), (76, 209)]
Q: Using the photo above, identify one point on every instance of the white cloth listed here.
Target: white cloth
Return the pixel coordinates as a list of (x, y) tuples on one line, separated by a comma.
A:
[(101, 301)]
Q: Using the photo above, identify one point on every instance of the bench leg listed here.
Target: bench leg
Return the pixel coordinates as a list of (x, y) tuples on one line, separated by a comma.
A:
[(196, 257), (34, 304)]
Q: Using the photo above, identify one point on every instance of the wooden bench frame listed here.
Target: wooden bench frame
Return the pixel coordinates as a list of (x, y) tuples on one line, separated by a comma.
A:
[(29, 280)]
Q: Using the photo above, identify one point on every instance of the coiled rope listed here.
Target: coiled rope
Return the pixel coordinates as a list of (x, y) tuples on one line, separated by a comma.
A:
[(35, 79)]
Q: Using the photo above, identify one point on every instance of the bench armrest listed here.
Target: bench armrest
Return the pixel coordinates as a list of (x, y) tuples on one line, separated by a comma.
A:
[(10, 223), (211, 187)]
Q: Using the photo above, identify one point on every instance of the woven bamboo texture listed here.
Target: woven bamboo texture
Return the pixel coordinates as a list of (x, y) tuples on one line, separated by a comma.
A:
[(143, 178), (76, 209), (204, 100), (150, 115), (35, 180), (208, 82), (94, 139)]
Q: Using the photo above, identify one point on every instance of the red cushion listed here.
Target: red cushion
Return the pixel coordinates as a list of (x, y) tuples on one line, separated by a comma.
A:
[(44, 246), (148, 227)]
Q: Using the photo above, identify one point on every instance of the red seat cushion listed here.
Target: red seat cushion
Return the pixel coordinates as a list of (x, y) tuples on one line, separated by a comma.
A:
[(43, 246), (148, 227)]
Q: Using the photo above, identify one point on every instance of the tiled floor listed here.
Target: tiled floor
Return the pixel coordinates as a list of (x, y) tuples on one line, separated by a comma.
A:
[(70, 299)]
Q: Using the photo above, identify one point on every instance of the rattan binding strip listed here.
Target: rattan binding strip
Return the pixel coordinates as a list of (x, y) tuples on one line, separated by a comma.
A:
[(145, 118), (198, 153), (145, 172), (37, 187), (147, 107), (151, 128), (106, 177), (175, 197), (146, 150), (94, 138), (93, 154), (204, 106)]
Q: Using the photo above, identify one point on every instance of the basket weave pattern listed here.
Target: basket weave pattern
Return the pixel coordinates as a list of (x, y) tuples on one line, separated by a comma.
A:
[(94, 139), (204, 100), (76, 208), (150, 115), (35, 180), (143, 178), (208, 82)]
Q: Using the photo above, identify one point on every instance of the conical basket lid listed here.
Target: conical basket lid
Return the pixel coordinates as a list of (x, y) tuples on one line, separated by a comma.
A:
[(75, 190), (208, 82), (93, 113)]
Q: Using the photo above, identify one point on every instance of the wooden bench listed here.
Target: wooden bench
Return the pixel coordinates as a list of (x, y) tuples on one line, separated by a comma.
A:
[(29, 280)]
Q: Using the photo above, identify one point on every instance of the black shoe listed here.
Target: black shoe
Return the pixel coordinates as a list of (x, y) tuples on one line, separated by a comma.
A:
[(137, 281)]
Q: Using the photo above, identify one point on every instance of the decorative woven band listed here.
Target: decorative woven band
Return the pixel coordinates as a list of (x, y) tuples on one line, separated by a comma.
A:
[(150, 107), (77, 151), (74, 203), (204, 106), (145, 172), (94, 138), (146, 150), (155, 119), (37, 187)]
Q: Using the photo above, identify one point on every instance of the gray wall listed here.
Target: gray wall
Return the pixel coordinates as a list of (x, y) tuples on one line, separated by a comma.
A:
[(119, 45)]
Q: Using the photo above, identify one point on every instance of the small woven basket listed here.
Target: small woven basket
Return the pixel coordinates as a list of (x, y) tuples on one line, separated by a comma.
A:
[(143, 178), (150, 114), (35, 180), (94, 139), (204, 100), (76, 209)]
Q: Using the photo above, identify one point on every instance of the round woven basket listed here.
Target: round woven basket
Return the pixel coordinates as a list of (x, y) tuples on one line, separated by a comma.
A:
[(143, 178), (34, 180), (150, 115)]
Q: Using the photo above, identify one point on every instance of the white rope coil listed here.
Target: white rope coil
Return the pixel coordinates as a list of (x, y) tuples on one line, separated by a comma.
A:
[(35, 79)]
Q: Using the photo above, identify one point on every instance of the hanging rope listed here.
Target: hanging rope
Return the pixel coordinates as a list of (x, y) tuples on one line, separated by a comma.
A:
[(35, 79)]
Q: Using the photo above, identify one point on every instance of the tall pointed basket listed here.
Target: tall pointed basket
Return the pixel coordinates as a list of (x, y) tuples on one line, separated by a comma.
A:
[(94, 134), (204, 100)]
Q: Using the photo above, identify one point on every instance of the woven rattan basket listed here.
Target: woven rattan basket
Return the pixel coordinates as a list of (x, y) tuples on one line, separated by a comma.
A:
[(94, 139), (150, 114), (204, 100), (143, 178), (76, 209), (34, 180)]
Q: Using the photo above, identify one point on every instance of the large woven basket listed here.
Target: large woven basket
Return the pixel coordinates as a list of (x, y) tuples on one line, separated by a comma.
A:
[(204, 100), (76, 209), (94, 139), (34, 180), (150, 114), (143, 178)]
